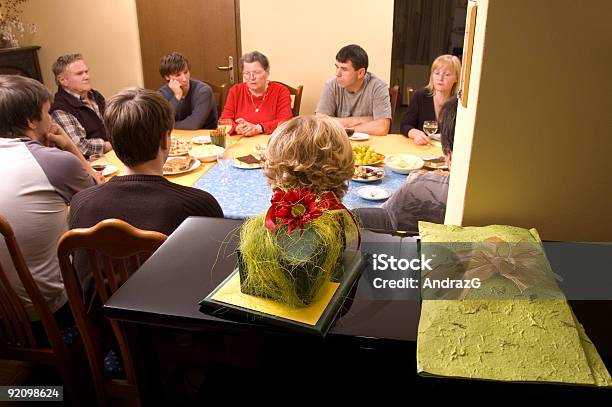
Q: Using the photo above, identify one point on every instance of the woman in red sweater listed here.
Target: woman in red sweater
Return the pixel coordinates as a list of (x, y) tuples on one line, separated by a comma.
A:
[(256, 105)]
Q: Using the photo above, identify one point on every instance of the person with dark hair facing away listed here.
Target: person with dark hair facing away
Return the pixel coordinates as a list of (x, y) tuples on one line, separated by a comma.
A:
[(423, 195), (41, 169), (192, 101), (356, 98), (78, 108), (139, 123), (256, 105)]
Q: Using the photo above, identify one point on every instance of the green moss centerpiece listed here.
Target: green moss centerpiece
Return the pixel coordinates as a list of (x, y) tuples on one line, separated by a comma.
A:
[(291, 251)]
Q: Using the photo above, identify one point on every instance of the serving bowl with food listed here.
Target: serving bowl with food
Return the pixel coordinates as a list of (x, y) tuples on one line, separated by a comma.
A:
[(366, 155), (206, 152), (403, 163)]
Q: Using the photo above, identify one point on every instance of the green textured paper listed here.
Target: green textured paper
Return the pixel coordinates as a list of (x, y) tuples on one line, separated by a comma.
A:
[(507, 340)]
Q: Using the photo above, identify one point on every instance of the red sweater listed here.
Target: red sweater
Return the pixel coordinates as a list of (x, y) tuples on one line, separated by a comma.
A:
[(274, 107)]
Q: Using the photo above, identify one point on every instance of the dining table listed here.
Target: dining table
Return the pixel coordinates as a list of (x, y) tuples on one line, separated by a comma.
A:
[(370, 334), (228, 183)]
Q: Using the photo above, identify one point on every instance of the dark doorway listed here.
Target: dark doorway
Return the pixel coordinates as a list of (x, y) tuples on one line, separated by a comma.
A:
[(423, 30)]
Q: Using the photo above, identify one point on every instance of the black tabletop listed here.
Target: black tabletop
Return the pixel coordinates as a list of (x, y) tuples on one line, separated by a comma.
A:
[(200, 254)]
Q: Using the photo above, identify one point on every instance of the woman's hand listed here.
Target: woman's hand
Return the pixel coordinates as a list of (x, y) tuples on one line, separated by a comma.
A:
[(247, 129), (419, 137)]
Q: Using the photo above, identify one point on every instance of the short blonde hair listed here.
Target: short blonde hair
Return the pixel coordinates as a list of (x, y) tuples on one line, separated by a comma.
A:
[(445, 61), (311, 152)]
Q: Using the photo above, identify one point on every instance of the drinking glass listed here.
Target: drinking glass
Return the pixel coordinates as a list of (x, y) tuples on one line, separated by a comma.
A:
[(98, 162), (224, 160), (430, 127), (224, 125)]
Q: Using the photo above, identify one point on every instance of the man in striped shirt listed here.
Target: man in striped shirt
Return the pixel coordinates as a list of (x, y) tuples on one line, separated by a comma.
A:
[(78, 108)]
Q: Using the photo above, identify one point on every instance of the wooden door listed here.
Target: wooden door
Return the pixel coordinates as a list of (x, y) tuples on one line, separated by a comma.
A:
[(206, 32)]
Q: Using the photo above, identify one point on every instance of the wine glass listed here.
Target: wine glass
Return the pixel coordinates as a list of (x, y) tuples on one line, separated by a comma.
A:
[(430, 127), (98, 162), (224, 159)]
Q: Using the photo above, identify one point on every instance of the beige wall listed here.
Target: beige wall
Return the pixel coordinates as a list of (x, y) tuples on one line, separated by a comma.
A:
[(534, 161), (301, 38), (105, 32)]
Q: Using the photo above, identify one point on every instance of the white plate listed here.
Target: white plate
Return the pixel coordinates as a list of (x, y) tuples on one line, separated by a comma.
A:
[(373, 193), (180, 154), (195, 165), (201, 140), (206, 153), (442, 166), (359, 137), (245, 166), (403, 163), (109, 170), (370, 179)]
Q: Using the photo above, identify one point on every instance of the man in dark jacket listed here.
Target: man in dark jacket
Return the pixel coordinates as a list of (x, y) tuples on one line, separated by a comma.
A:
[(78, 108)]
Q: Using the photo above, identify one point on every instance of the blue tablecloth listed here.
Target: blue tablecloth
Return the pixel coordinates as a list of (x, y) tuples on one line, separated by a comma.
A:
[(245, 193)]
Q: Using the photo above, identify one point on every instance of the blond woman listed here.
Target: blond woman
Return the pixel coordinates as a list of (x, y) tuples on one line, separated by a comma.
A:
[(427, 102)]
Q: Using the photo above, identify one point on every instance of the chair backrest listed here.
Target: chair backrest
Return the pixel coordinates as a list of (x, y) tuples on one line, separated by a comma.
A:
[(297, 97), (220, 94), (17, 338), (393, 93), (115, 250), (16, 334), (409, 92)]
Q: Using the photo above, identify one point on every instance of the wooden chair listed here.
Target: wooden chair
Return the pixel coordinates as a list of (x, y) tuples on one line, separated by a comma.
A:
[(406, 99), (17, 338), (393, 93), (297, 97), (220, 94), (121, 248)]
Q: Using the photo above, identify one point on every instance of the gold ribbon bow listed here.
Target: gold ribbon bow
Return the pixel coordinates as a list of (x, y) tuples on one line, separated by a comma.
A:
[(522, 263)]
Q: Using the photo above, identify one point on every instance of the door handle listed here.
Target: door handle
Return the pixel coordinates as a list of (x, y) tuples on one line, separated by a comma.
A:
[(230, 68)]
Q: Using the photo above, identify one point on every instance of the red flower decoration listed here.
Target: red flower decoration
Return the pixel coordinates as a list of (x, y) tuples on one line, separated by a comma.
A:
[(294, 208)]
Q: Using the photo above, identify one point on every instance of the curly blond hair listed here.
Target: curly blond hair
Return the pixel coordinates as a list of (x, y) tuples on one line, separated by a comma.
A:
[(311, 152)]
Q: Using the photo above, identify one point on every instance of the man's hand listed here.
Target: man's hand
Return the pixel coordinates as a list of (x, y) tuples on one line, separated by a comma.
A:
[(98, 177), (176, 89), (348, 122), (57, 137), (247, 129), (107, 147), (419, 137)]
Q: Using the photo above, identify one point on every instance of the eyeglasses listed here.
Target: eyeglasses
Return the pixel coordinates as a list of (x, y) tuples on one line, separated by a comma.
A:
[(253, 74)]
